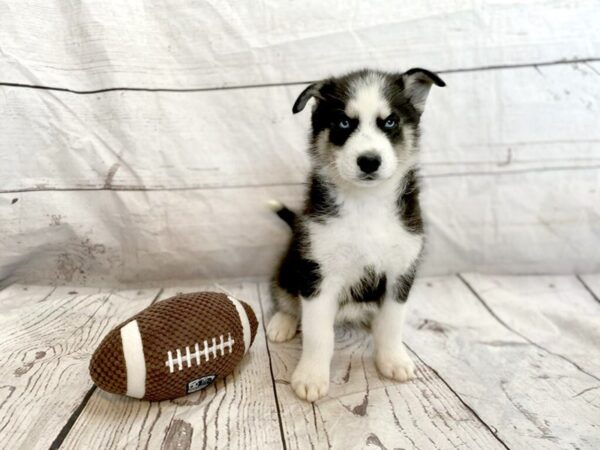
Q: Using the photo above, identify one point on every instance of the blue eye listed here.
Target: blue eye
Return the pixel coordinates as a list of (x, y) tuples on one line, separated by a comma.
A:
[(345, 123), (390, 123)]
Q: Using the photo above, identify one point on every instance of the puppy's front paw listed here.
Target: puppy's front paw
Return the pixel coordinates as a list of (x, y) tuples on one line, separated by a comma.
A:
[(310, 381), (282, 327), (395, 364)]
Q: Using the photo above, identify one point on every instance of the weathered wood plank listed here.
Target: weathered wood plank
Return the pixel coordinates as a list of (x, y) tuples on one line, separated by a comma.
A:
[(206, 44), (556, 313), (140, 140), (45, 346), (239, 412), (20, 295), (364, 410), (533, 398)]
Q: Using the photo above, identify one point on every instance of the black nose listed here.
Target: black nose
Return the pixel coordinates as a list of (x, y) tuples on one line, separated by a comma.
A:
[(368, 162)]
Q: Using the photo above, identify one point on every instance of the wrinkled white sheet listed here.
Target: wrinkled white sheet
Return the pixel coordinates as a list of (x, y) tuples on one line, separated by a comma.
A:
[(133, 186)]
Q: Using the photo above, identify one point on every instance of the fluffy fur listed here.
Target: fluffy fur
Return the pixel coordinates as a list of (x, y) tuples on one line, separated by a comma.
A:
[(356, 245)]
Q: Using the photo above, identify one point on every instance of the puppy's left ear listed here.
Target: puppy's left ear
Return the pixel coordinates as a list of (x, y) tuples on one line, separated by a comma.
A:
[(311, 91), (417, 83)]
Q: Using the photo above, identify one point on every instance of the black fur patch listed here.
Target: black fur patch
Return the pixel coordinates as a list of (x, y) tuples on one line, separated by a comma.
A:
[(370, 288), (338, 135), (400, 103), (394, 134), (321, 199), (298, 275), (409, 207), (433, 77), (334, 94), (403, 284), (287, 215)]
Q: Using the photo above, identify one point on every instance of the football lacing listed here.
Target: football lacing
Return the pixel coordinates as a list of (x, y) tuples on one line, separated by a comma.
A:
[(196, 354)]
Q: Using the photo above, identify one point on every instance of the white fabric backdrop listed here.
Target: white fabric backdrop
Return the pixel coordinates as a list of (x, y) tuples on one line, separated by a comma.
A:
[(169, 125)]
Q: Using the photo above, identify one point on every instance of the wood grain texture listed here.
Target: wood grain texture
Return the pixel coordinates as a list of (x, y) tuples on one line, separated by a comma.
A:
[(45, 345), (206, 44), (480, 384), (237, 413), (364, 410), (19, 295), (555, 313), (532, 397)]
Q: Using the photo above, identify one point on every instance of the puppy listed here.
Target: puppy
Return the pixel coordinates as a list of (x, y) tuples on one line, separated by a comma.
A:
[(357, 243)]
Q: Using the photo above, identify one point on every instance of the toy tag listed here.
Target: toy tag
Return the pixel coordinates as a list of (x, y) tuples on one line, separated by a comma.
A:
[(199, 383)]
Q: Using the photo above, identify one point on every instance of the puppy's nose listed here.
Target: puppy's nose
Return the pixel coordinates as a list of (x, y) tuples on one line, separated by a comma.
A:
[(369, 162)]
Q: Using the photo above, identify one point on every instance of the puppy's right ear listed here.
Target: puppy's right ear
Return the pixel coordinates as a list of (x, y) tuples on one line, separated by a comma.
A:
[(311, 91)]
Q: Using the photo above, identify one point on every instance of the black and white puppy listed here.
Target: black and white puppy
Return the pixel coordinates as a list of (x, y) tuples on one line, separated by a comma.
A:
[(356, 246)]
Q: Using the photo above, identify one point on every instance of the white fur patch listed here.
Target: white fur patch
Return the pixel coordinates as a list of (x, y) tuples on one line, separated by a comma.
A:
[(367, 104), (310, 379), (353, 312), (282, 327), (391, 357), (368, 232)]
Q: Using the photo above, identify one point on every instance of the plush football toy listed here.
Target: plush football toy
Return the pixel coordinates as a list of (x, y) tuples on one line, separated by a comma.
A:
[(175, 347)]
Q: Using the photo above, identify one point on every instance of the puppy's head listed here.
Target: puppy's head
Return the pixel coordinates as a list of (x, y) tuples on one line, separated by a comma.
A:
[(365, 124)]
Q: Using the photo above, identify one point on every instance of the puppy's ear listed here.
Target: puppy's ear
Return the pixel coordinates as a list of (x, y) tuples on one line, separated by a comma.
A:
[(417, 83), (311, 91)]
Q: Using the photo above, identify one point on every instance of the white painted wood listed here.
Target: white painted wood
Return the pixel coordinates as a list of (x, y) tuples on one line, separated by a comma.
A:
[(533, 398), (45, 345), (479, 385), (18, 295), (239, 412), (103, 44), (364, 410), (494, 143), (555, 312)]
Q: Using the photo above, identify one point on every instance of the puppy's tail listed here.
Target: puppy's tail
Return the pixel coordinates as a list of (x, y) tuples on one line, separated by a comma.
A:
[(284, 213)]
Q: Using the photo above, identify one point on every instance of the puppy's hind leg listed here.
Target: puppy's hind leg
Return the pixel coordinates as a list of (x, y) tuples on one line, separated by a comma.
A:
[(284, 323)]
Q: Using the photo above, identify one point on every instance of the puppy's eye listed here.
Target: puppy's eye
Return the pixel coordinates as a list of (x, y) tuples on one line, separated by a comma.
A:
[(389, 123), (344, 123)]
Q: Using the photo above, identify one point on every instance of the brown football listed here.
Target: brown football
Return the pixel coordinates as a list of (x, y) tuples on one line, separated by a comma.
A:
[(175, 347)]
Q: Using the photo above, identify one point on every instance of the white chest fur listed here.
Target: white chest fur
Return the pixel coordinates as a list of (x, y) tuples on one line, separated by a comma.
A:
[(367, 232)]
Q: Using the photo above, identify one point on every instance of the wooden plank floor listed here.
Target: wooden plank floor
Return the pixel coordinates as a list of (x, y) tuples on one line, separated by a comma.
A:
[(502, 362)]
